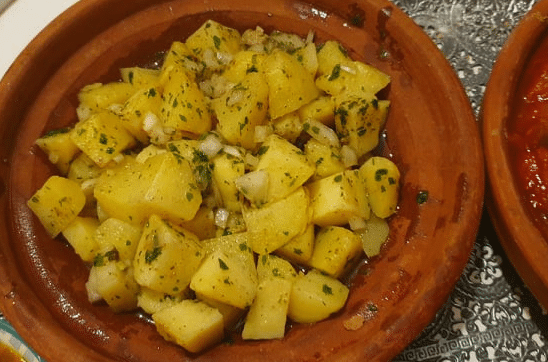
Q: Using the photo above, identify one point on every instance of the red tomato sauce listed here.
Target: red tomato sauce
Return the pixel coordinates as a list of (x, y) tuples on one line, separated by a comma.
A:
[(528, 136)]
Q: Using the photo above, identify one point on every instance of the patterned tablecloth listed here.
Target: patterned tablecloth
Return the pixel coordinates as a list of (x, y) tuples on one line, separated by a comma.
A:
[(490, 316)]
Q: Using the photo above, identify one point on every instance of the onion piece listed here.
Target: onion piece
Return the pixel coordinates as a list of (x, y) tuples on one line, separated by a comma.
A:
[(357, 223), (254, 186), (321, 132), (348, 156), (261, 133), (221, 217), (231, 150), (211, 145)]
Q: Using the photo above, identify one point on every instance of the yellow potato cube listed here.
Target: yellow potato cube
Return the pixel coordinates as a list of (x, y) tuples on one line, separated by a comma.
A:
[(82, 168), (241, 109), (276, 223), (57, 203), (231, 314), (152, 301), (119, 235), (267, 316), (308, 57), (374, 235), (228, 274), (299, 249), (329, 55), (289, 126), (290, 84), (359, 118), (180, 55), (203, 223), (272, 266), (99, 97), (163, 185), (137, 107), (226, 169), (113, 282), (102, 137), (327, 158), (336, 199), (382, 179), (287, 166), (214, 37), (140, 77), (335, 248), (322, 109), (59, 147), (243, 63), (184, 108), (191, 324), (81, 236), (167, 256), (352, 76), (315, 296)]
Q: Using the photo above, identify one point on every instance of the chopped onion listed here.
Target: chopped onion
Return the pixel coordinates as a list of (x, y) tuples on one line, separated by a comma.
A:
[(88, 185), (118, 158), (349, 156), (235, 97), (321, 132), (83, 112), (116, 108), (221, 217), (152, 126), (348, 69), (211, 145), (310, 37), (254, 186), (231, 150), (251, 161), (357, 223), (261, 133)]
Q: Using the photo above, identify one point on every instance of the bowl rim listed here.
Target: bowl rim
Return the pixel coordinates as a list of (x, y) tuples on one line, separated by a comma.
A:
[(422, 317), (522, 241)]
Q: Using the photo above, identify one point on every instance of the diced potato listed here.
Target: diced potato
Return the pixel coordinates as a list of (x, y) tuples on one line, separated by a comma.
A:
[(244, 62), (82, 168), (191, 324), (180, 55), (119, 235), (326, 158), (290, 84), (287, 167), (336, 199), (113, 281), (308, 57), (322, 109), (98, 97), (276, 223), (315, 296), (163, 185), (81, 236), (382, 179), (231, 314), (352, 76), (102, 137), (152, 301), (374, 235), (167, 256), (226, 169), (198, 160), (335, 248), (289, 126), (59, 147), (215, 38), (359, 117), (203, 223), (140, 77), (57, 203), (241, 109), (267, 316), (228, 273), (184, 107), (137, 107), (329, 55), (272, 266), (299, 249)]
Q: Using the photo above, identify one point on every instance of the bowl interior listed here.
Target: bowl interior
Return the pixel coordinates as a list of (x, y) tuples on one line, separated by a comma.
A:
[(520, 234), (431, 134)]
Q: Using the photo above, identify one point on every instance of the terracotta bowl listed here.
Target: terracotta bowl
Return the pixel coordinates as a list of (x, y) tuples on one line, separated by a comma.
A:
[(431, 134), (519, 233)]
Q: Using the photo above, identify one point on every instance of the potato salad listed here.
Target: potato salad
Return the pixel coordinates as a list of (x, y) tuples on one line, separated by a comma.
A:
[(228, 189)]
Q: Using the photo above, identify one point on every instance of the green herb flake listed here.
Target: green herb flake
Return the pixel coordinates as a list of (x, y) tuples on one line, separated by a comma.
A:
[(422, 197), (217, 42), (222, 264), (335, 73), (153, 254), (380, 173), (327, 289)]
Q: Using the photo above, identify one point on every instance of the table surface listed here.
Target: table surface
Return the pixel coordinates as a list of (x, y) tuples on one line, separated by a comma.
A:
[(490, 315)]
